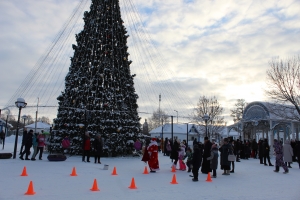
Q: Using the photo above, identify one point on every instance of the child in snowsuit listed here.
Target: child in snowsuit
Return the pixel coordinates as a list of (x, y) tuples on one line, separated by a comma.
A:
[(181, 155), (189, 156)]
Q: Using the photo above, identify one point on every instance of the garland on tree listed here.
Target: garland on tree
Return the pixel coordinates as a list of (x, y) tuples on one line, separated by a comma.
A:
[(99, 91)]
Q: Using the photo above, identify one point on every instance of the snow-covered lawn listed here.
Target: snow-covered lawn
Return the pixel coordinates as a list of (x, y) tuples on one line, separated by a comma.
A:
[(52, 180)]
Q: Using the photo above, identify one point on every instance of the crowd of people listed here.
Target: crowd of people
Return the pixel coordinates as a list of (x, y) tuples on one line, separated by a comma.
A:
[(209, 155), (35, 141)]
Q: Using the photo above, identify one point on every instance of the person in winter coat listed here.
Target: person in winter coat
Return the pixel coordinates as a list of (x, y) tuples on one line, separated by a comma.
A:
[(34, 144), (165, 146), (298, 152), (260, 151), (168, 147), (206, 153), (137, 145), (98, 148), (65, 144), (23, 140), (174, 152), (234, 152), (288, 153), (279, 157), (293, 145), (254, 147), (181, 155), (153, 156), (28, 144), (247, 150), (86, 147), (196, 162), (225, 150), (214, 155), (266, 149), (237, 149), (41, 143), (189, 156), (146, 156)]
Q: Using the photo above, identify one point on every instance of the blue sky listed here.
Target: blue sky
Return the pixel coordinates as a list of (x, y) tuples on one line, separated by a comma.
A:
[(208, 47)]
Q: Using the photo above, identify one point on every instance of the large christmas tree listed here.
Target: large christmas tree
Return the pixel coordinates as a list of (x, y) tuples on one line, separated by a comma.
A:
[(99, 94)]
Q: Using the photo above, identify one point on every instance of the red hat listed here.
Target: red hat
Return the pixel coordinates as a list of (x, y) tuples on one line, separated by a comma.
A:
[(153, 139)]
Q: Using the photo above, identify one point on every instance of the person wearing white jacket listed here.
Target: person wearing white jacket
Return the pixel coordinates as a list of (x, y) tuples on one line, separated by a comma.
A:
[(288, 153)]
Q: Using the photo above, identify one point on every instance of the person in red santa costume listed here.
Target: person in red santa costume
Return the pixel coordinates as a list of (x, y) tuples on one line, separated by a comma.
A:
[(153, 154)]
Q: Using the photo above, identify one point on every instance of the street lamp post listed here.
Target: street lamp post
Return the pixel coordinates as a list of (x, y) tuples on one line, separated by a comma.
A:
[(20, 103), (206, 118), (177, 115)]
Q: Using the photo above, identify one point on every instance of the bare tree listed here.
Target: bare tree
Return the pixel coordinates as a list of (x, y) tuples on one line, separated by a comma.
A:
[(283, 83), (29, 119), (238, 111), (211, 107), (156, 119), (44, 119)]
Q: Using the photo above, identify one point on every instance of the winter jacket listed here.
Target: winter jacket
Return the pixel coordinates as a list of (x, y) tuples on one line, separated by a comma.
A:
[(25, 133), (225, 150), (287, 152), (175, 149), (266, 147), (181, 153), (254, 145), (188, 155), (98, 147), (65, 143), (260, 149), (207, 148), (137, 145), (41, 140), (214, 155), (197, 158), (28, 139), (86, 143), (34, 140), (298, 151)]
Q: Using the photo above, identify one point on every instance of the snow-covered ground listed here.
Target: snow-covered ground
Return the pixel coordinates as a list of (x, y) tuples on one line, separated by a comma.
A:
[(52, 180)]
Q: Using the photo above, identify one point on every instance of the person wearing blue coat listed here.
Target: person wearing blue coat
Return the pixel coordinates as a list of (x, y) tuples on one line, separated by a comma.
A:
[(34, 144)]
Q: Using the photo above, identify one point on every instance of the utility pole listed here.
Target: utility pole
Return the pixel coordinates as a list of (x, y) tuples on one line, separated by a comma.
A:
[(36, 114), (159, 100)]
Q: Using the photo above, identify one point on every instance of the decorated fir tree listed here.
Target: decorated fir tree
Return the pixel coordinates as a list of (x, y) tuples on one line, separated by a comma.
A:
[(99, 94)]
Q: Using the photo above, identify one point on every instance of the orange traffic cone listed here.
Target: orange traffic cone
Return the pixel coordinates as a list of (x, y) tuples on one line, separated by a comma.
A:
[(146, 170), (73, 172), (208, 177), (30, 189), (132, 185), (24, 173), (173, 168), (114, 171), (174, 179), (95, 186)]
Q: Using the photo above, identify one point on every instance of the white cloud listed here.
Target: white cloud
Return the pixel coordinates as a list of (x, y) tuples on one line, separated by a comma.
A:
[(210, 47)]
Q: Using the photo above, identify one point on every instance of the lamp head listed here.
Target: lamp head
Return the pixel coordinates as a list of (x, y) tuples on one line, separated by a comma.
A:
[(20, 103)]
